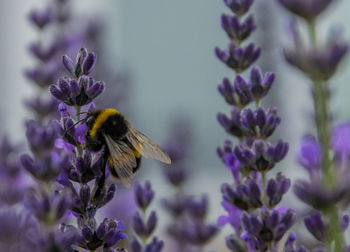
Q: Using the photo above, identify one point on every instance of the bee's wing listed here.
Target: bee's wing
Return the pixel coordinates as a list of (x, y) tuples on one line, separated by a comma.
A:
[(123, 159), (146, 146)]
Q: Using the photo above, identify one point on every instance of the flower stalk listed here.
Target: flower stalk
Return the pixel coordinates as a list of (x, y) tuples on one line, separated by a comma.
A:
[(319, 62), (322, 121)]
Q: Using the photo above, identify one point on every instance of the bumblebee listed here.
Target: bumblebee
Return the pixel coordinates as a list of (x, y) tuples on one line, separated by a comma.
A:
[(123, 144)]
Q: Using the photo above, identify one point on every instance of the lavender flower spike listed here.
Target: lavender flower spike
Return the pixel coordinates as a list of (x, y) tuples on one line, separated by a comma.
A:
[(144, 226), (246, 200)]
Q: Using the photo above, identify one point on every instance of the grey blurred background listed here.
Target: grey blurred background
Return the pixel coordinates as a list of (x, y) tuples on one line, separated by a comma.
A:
[(167, 47)]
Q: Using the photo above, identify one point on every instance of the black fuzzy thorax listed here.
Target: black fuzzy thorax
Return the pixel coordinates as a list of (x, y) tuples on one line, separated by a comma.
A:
[(115, 126)]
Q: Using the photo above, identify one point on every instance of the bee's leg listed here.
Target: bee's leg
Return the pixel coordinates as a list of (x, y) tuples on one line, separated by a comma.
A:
[(99, 186)]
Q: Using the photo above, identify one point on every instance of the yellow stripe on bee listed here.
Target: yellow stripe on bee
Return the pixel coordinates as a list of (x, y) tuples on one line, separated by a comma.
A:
[(101, 118), (137, 154)]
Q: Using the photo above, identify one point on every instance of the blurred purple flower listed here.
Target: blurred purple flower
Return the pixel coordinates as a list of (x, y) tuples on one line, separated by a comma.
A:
[(41, 138), (47, 167), (198, 233), (142, 224), (9, 166), (42, 107), (13, 182), (319, 197), (319, 63), (144, 195), (48, 209), (176, 176), (341, 140), (306, 9), (239, 7), (175, 206), (310, 155), (144, 228), (44, 53), (155, 245), (41, 18), (15, 229), (197, 208), (42, 75)]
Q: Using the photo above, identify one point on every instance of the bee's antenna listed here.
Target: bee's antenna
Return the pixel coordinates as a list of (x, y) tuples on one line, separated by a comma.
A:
[(79, 121), (74, 125)]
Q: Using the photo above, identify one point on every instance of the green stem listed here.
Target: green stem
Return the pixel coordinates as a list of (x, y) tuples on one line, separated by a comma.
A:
[(312, 33), (263, 178), (320, 99), (334, 232), (144, 239), (47, 187), (257, 103)]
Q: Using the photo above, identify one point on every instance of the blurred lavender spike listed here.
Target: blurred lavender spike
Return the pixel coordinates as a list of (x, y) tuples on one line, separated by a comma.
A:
[(144, 226), (41, 18), (239, 7), (306, 9)]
